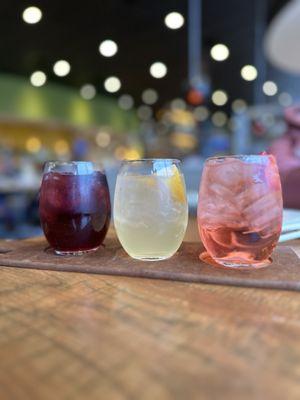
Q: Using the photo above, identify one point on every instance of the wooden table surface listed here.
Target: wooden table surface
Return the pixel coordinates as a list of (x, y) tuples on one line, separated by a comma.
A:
[(78, 336)]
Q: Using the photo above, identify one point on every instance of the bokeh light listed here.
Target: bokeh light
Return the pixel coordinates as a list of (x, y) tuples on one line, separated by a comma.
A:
[(132, 153), (61, 68), (239, 106), (219, 118), (158, 70), (219, 98), (285, 99), (108, 48), (249, 73), (174, 20), (88, 91), (61, 147), (103, 139), (125, 102), (38, 78), (219, 52), (270, 88), (33, 144), (178, 104), (201, 113), (149, 96), (112, 84), (32, 15)]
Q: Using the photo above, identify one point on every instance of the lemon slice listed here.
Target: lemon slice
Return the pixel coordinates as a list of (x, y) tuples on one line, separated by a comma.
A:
[(176, 185), (168, 179)]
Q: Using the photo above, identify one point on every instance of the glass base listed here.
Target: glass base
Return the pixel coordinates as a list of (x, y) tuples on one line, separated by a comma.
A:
[(233, 264), (145, 258), (75, 252)]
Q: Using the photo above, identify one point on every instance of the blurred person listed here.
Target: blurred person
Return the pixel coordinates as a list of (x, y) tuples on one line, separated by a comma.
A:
[(286, 149)]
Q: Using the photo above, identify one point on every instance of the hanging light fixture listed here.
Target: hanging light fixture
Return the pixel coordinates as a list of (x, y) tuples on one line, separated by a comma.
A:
[(198, 87)]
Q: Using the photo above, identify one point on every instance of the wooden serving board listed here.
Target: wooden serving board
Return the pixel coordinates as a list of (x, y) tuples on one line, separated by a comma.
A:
[(185, 266)]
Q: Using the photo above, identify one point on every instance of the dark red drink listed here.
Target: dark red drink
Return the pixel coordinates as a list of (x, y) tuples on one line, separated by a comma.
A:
[(74, 210)]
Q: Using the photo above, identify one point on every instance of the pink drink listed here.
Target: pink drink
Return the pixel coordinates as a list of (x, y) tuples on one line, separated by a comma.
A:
[(240, 209)]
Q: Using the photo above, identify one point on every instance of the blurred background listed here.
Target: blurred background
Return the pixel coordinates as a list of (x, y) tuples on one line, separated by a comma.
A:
[(108, 80)]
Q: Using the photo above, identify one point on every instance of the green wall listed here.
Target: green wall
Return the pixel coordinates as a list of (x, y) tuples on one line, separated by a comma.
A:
[(19, 98)]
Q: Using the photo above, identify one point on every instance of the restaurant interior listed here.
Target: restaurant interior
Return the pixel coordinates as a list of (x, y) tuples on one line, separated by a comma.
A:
[(168, 96), (113, 80)]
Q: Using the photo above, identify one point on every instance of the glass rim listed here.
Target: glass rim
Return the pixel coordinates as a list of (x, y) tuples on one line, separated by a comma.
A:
[(51, 164), (139, 160), (239, 156), (71, 162)]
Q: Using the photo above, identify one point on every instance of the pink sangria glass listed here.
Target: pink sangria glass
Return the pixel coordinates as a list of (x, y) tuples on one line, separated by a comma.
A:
[(74, 206), (240, 209)]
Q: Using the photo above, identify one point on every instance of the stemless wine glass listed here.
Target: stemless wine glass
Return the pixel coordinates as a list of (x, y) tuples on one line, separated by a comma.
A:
[(74, 206), (150, 208), (240, 209)]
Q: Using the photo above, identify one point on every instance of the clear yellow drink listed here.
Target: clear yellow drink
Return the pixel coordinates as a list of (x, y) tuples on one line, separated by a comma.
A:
[(151, 213)]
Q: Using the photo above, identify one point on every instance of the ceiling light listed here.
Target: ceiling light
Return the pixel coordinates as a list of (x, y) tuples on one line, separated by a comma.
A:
[(219, 97), (285, 99), (174, 20), (61, 68), (219, 118), (219, 52), (112, 84), (88, 91), (201, 113), (270, 88), (32, 15), (149, 96), (239, 106), (249, 73), (108, 48), (38, 78), (125, 102), (158, 70)]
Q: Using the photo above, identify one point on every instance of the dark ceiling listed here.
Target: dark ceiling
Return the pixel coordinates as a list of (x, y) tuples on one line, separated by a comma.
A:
[(73, 31)]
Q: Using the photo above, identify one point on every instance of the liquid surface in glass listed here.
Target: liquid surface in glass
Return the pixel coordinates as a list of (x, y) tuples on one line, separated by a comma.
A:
[(151, 213), (240, 209), (74, 210)]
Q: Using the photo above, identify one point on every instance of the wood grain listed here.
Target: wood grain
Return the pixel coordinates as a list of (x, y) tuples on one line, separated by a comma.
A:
[(80, 336)]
